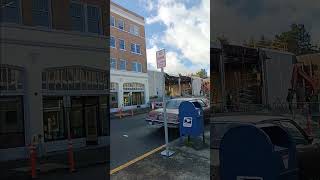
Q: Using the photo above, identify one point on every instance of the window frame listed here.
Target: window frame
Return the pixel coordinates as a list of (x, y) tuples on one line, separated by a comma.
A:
[(113, 24), (19, 14), (49, 2), (115, 62), (124, 44), (115, 43), (125, 64), (99, 18), (123, 24)]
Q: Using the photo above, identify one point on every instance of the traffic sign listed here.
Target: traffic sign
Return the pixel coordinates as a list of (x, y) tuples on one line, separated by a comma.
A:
[(161, 58)]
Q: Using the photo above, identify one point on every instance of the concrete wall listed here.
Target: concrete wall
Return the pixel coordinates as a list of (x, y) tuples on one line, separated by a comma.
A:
[(278, 72), (196, 86), (155, 83)]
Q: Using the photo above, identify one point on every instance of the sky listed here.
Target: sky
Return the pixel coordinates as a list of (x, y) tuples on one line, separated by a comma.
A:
[(241, 20), (182, 27)]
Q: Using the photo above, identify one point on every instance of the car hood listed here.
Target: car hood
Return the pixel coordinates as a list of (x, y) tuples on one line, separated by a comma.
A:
[(171, 111)]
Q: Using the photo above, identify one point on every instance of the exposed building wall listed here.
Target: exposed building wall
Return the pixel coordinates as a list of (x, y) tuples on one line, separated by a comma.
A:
[(278, 73), (155, 83), (196, 86)]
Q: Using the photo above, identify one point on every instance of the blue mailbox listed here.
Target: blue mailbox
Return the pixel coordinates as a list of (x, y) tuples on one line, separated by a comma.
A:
[(190, 119), (265, 152)]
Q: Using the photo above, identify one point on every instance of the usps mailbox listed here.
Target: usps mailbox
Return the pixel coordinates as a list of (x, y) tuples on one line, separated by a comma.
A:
[(257, 153), (191, 119)]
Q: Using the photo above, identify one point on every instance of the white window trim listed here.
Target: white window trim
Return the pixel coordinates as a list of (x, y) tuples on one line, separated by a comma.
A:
[(114, 21), (115, 42), (124, 44), (123, 25), (125, 65), (85, 16), (115, 60), (138, 67), (49, 15), (135, 48)]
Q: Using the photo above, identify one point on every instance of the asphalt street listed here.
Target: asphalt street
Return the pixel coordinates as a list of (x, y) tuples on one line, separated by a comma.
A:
[(131, 137)]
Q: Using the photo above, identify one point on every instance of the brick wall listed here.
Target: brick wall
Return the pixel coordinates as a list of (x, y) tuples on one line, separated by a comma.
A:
[(129, 38)]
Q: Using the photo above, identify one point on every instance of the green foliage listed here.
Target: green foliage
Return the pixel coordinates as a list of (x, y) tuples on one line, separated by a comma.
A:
[(298, 39), (202, 73)]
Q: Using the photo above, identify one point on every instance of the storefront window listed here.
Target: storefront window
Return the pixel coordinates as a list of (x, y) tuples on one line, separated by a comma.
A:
[(76, 118), (104, 115), (114, 95), (133, 94), (11, 122), (53, 119)]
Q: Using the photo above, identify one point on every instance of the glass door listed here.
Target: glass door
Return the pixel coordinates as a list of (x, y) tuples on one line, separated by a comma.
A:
[(91, 118)]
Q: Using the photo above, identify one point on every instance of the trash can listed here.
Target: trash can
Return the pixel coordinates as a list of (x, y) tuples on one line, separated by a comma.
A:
[(265, 152), (191, 119)]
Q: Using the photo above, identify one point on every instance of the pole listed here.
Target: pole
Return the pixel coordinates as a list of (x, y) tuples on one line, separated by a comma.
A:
[(165, 112)]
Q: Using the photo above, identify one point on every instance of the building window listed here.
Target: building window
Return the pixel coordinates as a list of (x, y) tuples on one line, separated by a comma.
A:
[(135, 48), (104, 115), (11, 79), (93, 15), (77, 17), (112, 42), (139, 67), (134, 29), (136, 67), (112, 21), (114, 95), (123, 64), (54, 125), (74, 78), (40, 13), (121, 24), (11, 122), (113, 63), (77, 128), (10, 11), (133, 94), (122, 44)]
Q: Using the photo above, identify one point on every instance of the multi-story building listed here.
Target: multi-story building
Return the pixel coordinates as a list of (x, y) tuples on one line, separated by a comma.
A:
[(128, 60), (53, 76)]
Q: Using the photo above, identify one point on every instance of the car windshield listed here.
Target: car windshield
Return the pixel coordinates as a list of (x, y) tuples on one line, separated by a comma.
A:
[(294, 132), (173, 104)]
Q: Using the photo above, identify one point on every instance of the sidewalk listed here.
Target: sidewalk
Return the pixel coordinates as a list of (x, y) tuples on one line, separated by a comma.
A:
[(188, 163), (20, 169)]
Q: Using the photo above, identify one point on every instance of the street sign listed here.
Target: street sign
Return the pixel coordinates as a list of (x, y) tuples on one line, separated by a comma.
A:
[(161, 58)]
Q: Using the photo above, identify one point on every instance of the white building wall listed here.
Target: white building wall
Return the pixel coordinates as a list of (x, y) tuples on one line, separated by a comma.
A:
[(121, 77), (155, 83), (196, 86)]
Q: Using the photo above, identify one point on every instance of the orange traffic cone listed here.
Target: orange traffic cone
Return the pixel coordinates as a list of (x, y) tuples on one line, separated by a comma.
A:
[(70, 155), (33, 161)]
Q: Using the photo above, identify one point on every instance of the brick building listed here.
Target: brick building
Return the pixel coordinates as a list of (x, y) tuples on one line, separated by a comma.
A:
[(53, 75), (128, 60)]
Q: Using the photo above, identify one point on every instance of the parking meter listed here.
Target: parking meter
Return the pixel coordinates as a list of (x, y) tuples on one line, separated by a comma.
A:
[(191, 119)]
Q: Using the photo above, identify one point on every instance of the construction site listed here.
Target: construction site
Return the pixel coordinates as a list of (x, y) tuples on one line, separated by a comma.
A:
[(259, 79)]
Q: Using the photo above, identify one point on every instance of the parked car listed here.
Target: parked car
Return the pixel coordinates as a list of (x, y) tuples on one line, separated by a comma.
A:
[(308, 152), (155, 117)]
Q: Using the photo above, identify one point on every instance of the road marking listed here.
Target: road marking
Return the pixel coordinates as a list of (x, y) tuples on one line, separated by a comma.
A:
[(136, 160)]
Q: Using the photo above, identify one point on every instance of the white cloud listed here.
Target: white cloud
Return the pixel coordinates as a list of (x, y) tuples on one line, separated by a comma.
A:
[(187, 30), (274, 17)]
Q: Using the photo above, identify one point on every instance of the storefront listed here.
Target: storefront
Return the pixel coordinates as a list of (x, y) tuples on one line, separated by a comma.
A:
[(129, 90), (72, 109)]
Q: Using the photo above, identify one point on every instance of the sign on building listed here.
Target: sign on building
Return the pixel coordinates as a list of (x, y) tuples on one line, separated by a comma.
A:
[(161, 58)]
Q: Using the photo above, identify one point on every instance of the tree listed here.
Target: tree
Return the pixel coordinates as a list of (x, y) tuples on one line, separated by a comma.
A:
[(223, 40), (298, 39), (202, 74)]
